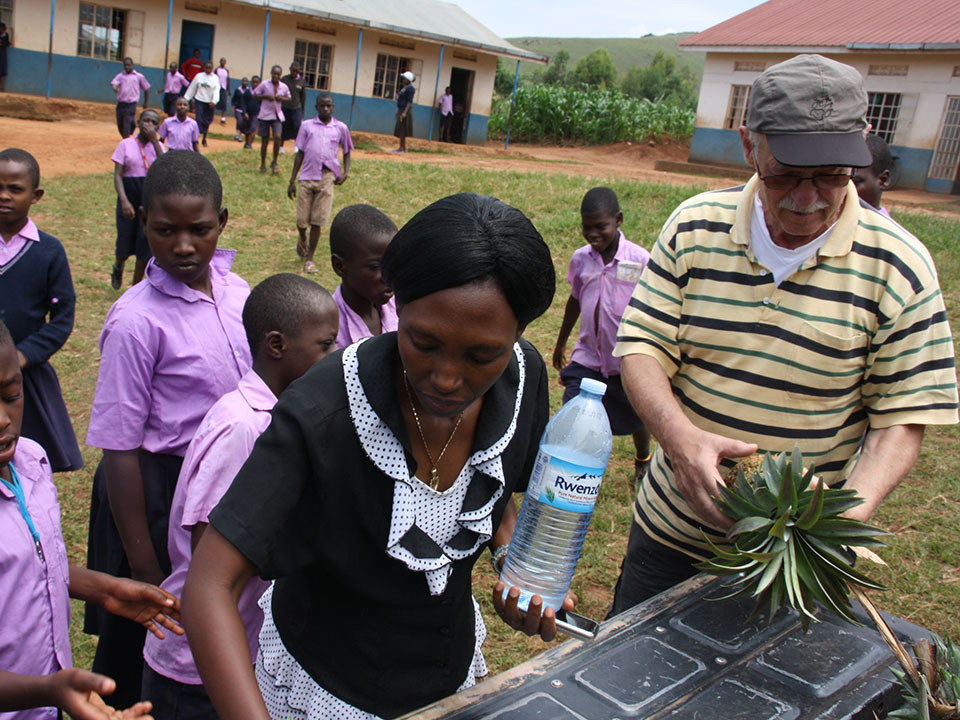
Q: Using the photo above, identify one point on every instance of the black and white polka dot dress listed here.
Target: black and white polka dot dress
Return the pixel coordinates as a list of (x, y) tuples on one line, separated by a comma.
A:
[(446, 519)]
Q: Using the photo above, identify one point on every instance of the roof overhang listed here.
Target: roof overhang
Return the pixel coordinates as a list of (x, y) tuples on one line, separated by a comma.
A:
[(297, 9), (826, 49)]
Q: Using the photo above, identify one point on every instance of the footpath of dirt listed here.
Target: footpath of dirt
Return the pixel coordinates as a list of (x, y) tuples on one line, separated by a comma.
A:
[(73, 137)]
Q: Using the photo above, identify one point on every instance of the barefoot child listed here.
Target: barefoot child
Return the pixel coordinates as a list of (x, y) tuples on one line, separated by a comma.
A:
[(170, 347), (174, 84), (270, 94), (131, 161), (181, 131), (598, 296), (872, 181), (37, 304), (127, 85), (359, 235), (36, 581), (205, 88), (319, 168), (291, 323)]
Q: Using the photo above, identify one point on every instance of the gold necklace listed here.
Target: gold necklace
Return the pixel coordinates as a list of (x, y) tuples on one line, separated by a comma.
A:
[(434, 475)]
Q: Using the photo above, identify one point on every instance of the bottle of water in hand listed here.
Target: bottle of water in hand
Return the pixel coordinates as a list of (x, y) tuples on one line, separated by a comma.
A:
[(563, 489)]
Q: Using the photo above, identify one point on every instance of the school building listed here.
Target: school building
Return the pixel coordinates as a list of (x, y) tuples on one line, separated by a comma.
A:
[(355, 49), (908, 52)]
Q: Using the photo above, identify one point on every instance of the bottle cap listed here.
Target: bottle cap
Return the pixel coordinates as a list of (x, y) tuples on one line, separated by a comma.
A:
[(594, 387)]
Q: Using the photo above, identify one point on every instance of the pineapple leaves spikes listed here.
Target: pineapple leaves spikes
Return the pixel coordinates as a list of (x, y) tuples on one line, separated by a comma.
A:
[(789, 541)]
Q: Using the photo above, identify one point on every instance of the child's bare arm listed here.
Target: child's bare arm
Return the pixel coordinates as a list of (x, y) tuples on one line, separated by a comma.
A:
[(346, 169), (297, 164), (125, 490), (570, 315), (126, 207), (73, 690), (149, 605)]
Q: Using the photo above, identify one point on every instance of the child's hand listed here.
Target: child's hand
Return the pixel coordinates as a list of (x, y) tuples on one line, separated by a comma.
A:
[(143, 603), (560, 357), (292, 190), (127, 210), (532, 622), (78, 693)]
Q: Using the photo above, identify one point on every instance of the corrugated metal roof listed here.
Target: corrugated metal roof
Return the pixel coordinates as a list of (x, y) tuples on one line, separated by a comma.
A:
[(429, 19), (854, 24)]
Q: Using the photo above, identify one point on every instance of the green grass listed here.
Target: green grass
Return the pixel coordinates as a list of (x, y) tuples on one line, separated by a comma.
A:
[(924, 571)]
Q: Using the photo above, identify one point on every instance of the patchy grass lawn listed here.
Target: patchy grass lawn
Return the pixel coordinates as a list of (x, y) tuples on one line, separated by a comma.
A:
[(924, 554)]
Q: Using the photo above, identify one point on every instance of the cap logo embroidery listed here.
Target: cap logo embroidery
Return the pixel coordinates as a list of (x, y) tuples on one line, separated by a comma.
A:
[(822, 108)]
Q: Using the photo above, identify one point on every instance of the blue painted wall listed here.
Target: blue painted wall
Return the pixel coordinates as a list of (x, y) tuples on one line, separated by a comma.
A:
[(80, 78), (712, 145)]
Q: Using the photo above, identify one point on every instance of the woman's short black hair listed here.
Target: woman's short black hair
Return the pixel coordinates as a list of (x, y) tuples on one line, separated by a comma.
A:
[(182, 172), (469, 238)]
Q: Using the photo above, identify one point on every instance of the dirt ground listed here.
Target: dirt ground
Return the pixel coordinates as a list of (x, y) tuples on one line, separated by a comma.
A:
[(71, 137)]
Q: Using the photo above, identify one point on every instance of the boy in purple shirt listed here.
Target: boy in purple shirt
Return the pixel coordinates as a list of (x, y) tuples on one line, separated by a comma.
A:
[(127, 85), (446, 114), (359, 235), (36, 580), (181, 131), (170, 347), (319, 168), (174, 84), (291, 323), (602, 276), (270, 94), (872, 181)]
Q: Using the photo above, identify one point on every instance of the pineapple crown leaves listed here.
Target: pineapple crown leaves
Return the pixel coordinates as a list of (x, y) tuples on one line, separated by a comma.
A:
[(789, 541), (937, 695)]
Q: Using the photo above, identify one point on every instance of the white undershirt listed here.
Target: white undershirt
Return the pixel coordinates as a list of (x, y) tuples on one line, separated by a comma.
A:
[(781, 261)]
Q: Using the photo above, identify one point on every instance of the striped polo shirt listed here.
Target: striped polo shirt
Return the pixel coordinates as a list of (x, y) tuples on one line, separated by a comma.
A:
[(857, 338)]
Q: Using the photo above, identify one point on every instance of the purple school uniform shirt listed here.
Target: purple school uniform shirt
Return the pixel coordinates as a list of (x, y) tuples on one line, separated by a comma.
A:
[(10, 248), (270, 109), (224, 76), (352, 326), (130, 85), (592, 283), (167, 354), (446, 104), (217, 452), (174, 82), (319, 142), (135, 157), (34, 602), (179, 135)]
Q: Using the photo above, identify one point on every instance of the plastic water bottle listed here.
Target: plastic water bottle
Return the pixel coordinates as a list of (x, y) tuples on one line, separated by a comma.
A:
[(563, 489)]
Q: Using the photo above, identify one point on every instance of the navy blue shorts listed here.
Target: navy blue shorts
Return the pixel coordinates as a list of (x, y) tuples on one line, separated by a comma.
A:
[(264, 128), (174, 700), (623, 420)]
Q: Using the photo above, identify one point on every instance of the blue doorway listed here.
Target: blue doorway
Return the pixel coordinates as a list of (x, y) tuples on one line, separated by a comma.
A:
[(196, 35)]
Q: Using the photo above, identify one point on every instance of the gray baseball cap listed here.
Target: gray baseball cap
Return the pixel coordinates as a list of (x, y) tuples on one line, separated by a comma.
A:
[(812, 111)]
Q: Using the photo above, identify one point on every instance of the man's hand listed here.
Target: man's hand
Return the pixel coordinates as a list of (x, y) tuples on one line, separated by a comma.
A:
[(695, 457)]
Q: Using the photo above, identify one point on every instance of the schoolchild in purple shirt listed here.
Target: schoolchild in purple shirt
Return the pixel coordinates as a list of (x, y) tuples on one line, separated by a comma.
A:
[(127, 85), (316, 161), (175, 82), (37, 581), (271, 93), (181, 131), (359, 236), (171, 346), (291, 323), (602, 276), (132, 159)]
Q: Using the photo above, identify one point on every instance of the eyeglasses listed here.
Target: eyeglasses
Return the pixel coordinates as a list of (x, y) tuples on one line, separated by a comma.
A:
[(786, 183)]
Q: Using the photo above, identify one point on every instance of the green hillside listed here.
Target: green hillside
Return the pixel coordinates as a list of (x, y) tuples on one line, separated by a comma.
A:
[(625, 52)]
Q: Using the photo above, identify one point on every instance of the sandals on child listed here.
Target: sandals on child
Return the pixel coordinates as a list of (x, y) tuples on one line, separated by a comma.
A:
[(310, 267), (116, 276), (302, 248)]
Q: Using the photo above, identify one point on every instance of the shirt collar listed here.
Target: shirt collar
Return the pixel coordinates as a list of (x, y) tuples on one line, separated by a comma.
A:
[(838, 244), (376, 359), (27, 232), (621, 249), (220, 265), (256, 392)]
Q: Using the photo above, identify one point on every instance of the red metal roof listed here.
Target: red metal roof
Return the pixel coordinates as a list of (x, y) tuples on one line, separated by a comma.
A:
[(883, 24)]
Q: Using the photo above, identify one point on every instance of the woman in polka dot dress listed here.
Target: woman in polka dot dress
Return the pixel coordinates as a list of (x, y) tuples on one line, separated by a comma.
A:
[(385, 472)]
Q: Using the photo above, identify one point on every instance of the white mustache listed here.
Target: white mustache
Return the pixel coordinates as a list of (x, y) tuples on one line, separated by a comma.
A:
[(788, 203)]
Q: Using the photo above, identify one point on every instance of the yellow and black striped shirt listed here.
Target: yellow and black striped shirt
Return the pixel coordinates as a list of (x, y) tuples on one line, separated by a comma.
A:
[(857, 338)]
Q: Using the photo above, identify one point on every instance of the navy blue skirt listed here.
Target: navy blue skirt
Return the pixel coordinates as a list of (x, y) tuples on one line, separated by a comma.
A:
[(45, 418), (131, 240)]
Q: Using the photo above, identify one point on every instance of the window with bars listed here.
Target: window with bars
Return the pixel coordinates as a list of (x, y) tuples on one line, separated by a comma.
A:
[(100, 32), (386, 76), (946, 155), (883, 111), (6, 14), (737, 108), (315, 60)]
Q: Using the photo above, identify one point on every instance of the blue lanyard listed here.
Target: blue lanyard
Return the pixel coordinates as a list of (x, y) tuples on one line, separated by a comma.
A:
[(17, 489)]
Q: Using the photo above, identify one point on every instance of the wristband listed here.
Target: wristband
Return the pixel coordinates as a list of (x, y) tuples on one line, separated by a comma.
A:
[(498, 555)]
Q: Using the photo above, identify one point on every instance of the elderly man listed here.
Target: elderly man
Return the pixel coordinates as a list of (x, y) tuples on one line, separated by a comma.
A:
[(778, 313)]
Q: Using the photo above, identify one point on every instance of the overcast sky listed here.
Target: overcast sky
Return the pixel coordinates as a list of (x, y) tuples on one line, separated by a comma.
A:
[(600, 18)]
